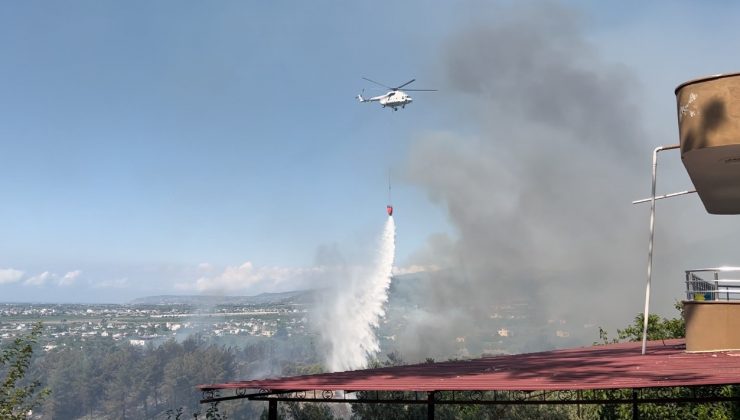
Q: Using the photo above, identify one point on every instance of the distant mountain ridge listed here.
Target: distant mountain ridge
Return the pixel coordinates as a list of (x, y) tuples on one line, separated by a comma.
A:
[(292, 297), (403, 289)]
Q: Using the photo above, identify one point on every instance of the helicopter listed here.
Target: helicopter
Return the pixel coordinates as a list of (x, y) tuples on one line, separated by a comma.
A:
[(395, 97)]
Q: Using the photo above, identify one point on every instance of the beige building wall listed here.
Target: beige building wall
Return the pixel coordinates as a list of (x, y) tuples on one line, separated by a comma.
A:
[(712, 325)]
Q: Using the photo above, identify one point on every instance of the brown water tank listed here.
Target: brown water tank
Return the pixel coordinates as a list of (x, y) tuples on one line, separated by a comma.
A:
[(709, 128)]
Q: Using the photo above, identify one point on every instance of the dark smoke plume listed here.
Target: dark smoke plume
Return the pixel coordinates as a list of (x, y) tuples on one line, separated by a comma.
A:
[(538, 188)]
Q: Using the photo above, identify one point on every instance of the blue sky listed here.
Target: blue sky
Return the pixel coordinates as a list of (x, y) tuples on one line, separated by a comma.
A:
[(147, 145)]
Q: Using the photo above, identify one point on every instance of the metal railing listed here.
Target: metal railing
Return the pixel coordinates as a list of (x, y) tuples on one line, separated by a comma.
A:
[(713, 284)]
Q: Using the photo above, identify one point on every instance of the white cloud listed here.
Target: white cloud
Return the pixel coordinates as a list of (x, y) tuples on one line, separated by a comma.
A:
[(10, 275), (69, 278), (248, 278), (412, 269), (41, 279), (233, 278), (50, 278)]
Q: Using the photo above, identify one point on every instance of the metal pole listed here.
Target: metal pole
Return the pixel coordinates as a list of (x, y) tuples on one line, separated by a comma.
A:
[(272, 410), (635, 408), (430, 405), (650, 244), (660, 197)]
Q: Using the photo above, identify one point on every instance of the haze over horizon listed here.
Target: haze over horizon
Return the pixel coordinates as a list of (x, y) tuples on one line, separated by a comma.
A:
[(190, 148)]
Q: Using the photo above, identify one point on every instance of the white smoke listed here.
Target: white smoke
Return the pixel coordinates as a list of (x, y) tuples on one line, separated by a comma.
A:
[(350, 311), (537, 186)]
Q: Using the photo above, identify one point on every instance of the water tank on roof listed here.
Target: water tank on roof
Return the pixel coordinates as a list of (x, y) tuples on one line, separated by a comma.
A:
[(709, 128)]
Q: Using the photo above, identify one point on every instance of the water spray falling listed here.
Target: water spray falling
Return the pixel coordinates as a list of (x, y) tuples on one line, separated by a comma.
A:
[(356, 307)]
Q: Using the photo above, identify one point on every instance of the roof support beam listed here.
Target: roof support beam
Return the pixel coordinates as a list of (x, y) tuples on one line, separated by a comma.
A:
[(630, 396), (635, 407), (272, 409), (430, 405)]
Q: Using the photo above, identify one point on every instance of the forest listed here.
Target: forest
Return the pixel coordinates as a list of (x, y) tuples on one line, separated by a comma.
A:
[(103, 379)]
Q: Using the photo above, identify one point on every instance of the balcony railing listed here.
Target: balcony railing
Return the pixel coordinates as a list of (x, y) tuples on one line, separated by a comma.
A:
[(713, 284)]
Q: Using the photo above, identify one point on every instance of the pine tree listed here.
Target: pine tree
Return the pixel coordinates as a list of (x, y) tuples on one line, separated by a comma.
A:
[(17, 395)]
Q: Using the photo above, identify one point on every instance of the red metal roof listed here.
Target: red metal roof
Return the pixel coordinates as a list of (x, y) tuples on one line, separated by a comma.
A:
[(596, 367)]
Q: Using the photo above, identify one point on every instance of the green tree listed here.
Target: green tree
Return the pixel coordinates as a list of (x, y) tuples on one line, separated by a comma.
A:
[(301, 411), (66, 399), (658, 328), (121, 383), (198, 364), (18, 396)]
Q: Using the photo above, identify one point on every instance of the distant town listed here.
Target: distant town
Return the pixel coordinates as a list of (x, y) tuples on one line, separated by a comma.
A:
[(151, 321), (234, 321)]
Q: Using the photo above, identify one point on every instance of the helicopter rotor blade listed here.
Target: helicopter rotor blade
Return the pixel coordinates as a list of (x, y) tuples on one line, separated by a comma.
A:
[(409, 82), (379, 84), (420, 90)]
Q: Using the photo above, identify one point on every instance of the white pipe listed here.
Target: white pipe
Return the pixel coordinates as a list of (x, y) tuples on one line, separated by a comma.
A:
[(650, 244), (660, 197)]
